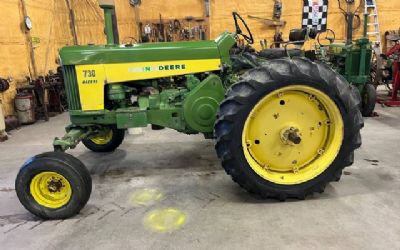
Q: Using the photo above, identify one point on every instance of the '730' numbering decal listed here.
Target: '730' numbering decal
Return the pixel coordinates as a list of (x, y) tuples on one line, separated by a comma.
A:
[(89, 73)]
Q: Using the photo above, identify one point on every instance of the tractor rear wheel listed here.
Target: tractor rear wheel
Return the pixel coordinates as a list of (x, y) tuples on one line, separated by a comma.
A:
[(53, 185), (288, 128), (106, 141)]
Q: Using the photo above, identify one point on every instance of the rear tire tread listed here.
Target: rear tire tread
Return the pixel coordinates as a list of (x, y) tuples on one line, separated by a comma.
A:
[(276, 70)]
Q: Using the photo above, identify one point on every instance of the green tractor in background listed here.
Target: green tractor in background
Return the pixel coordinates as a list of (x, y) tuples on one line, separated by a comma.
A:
[(284, 128), (352, 58)]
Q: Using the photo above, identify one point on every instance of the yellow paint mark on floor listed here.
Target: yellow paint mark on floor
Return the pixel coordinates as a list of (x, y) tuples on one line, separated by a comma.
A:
[(146, 197), (165, 220)]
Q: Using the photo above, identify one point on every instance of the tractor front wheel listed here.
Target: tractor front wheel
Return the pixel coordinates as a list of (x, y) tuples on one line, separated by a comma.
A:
[(106, 140), (288, 128), (368, 100), (53, 185)]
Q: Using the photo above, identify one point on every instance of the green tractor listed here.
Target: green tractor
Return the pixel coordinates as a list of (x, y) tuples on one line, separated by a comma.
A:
[(353, 61), (351, 58), (283, 128)]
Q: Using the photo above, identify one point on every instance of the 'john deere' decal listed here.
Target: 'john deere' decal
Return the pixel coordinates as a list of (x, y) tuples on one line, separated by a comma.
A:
[(150, 70), (157, 68)]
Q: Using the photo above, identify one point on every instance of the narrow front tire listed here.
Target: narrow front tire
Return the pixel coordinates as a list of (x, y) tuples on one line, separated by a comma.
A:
[(53, 186), (106, 140), (368, 100)]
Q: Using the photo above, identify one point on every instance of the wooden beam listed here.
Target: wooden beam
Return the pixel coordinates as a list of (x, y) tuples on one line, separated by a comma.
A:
[(28, 35), (72, 22)]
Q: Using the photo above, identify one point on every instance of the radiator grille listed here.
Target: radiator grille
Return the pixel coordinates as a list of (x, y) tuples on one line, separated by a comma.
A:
[(71, 87)]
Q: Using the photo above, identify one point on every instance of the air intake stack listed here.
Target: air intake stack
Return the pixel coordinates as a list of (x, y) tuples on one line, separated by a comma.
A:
[(108, 6)]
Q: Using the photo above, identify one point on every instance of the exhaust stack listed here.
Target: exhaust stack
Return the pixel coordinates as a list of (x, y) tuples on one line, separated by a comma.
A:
[(108, 6)]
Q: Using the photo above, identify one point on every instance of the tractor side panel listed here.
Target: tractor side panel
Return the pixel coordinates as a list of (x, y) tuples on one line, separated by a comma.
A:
[(92, 78)]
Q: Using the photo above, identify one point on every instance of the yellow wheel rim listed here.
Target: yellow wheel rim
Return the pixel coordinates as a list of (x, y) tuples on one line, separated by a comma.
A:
[(292, 135), (102, 139), (50, 189)]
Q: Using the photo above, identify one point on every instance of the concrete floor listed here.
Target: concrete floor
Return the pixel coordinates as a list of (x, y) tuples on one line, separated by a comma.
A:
[(182, 172)]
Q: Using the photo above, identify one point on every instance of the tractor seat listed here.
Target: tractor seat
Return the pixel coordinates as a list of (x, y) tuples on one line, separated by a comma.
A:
[(393, 37), (279, 53)]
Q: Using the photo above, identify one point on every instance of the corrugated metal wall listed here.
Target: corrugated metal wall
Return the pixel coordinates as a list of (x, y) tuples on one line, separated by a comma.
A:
[(51, 24)]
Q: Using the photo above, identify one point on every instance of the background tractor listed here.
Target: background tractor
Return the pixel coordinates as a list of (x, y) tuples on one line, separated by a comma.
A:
[(284, 128), (351, 58)]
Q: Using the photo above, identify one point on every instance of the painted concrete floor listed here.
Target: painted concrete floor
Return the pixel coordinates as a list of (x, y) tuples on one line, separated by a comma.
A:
[(177, 171)]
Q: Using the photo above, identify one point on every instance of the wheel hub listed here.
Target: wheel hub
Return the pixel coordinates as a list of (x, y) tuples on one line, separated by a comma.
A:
[(50, 189), (292, 134), (102, 138), (55, 185)]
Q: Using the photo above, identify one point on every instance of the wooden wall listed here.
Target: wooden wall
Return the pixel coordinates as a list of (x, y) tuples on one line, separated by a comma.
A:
[(51, 24)]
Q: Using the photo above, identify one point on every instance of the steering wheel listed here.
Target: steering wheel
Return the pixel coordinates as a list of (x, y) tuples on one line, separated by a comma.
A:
[(249, 36), (331, 39)]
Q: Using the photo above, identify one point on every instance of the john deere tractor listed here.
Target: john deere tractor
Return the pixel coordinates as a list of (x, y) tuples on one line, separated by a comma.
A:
[(351, 58), (283, 128)]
